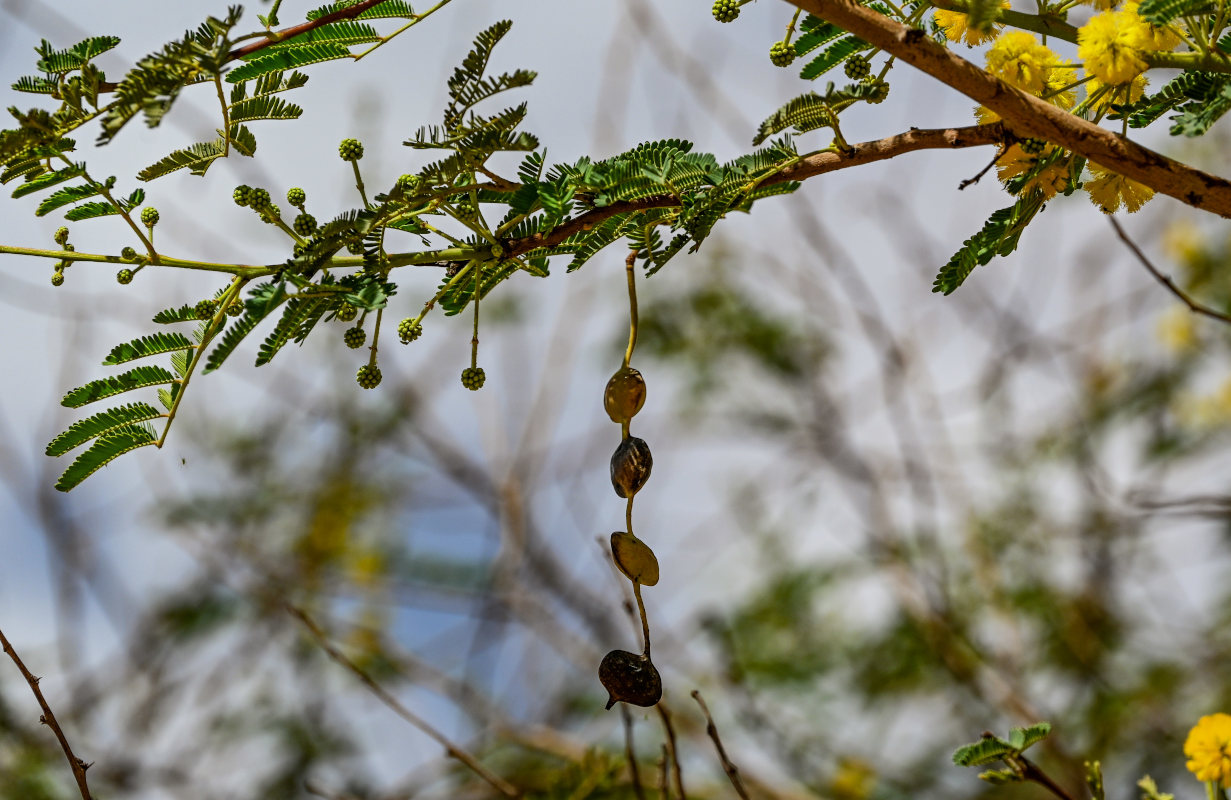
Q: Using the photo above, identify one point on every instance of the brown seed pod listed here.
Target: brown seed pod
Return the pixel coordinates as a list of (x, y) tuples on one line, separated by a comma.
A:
[(625, 395), (630, 466), (630, 678), (634, 558)]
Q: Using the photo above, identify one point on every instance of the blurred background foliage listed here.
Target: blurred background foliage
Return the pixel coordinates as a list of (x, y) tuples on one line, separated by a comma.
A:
[(883, 527)]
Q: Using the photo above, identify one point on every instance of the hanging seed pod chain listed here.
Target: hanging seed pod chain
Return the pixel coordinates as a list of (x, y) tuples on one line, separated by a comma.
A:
[(629, 677)]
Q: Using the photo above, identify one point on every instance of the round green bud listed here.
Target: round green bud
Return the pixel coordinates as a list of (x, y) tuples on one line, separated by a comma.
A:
[(857, 67), (355, 248), (465, 209), (271, 214), (880, 90), (1032, 146), (408, 331), (204, 309), (124, 276), (242, 195), (781, 54), (347, 312), (355, 337), (128, 254), (57, 278), (368, 376), (409, 184), (61, 236), (259, 199), (305, 224), (350, 150), (235, 309), (70, 248), (149, 216), (725, 10), (473, 378), (296, 197)]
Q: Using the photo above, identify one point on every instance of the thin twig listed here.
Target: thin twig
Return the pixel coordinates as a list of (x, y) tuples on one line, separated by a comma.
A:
[(498, 783), (1031, 772), (1165, 280), (49, 719), (633, 773), (672, 753), (982, 172), (664, 785), (727, 766)]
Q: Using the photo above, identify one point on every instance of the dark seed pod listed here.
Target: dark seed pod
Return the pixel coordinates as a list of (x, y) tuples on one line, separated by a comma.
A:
[(630, 466), (625, 395), (630, 678)]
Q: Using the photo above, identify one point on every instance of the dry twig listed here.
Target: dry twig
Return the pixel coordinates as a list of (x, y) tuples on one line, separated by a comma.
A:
[(49, 719), (727, 767), (1166, 280)]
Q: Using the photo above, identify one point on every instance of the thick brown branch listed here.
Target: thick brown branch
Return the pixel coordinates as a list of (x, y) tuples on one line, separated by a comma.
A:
[(1026, 115), (815, 164), (49, 719)]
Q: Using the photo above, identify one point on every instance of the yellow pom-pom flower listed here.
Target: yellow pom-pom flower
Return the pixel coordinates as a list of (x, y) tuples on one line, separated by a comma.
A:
[(1110, 190), (1021, 60), (1111, 45), (1208, 748), (956, 26), (1050, 180), (1178, 330), (1161, 37)]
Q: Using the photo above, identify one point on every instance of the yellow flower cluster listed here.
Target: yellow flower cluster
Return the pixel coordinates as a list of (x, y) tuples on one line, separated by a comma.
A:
[(1113, 44), (1208, 748), (1116, 93), (1050, 180), (1110, 190), (1021, 60), (956, 26)]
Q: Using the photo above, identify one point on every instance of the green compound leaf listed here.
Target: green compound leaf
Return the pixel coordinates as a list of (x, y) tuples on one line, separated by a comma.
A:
[(196, 158), (280, 60), (34, 84), (815, 32), (104, 421), (263, 107), (804, 113), (1196, 118), (261, 302), (390, 9), (998, 237), (152, 345), (90, 211), (984, 751), (105, 450), (1022, 738), (58, 62), (185, 313), (66, 196), (49, 179), (1161, 12), (137, 378), (832, 56), (299, 310), (344, 32)]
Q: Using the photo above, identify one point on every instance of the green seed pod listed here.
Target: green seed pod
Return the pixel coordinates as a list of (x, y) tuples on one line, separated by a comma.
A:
[(630, 466), (634, 558), (630, 678), (625, 395), (149, 216)]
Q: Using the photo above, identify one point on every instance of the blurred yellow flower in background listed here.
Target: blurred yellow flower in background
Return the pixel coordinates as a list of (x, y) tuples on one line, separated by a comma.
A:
[(1178, 330), (1208, 748)]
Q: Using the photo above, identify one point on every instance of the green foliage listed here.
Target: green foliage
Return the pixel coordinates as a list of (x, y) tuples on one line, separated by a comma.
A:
[(1195, 118), (138, 378), (59, 62), (1162, 12), (99, 424), (151, 345), (196, 158), (387, 9), (815, 32), (270, 61), (991, 748), (832, 56), (998, 237), (108, 448)]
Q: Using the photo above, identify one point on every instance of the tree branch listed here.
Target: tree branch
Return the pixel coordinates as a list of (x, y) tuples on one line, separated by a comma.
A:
[(808, 167), (1165, 280), (1024, 114), (49, 719)]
